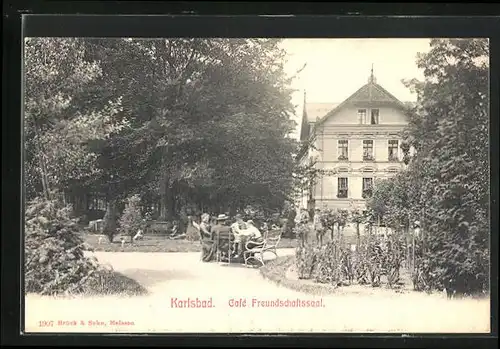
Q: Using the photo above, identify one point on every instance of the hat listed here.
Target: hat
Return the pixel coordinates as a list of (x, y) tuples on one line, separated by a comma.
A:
[(222, 217), (238, 216)]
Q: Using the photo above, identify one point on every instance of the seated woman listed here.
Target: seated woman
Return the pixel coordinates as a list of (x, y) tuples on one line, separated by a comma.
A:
[(207, 243)]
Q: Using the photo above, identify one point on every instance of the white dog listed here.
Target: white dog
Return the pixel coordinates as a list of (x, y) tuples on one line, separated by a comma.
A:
[(139, 235)]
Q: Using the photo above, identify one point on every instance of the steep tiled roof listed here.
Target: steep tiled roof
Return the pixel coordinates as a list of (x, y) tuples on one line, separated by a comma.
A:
[(316, 111), (369, 93)]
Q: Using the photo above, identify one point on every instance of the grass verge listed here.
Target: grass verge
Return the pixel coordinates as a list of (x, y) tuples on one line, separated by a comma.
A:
[(154, 244), (277, 270), (110, 282)]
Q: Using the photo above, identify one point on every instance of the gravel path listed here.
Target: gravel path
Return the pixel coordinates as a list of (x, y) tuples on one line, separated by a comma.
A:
[(173, 277)]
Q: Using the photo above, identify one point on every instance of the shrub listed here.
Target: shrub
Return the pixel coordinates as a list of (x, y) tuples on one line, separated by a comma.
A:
[(306, 257), (54, 252), (302, 232), (335, 265), (131, 220), (394, 255)]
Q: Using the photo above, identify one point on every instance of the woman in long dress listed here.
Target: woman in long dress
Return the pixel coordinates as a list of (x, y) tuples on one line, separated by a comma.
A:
[(207, 243)]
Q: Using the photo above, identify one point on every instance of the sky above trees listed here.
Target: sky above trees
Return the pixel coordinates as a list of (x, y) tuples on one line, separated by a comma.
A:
[(336, 68)]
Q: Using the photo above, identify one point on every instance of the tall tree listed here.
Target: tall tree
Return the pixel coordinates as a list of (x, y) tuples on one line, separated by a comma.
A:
[(57, 134), (450, 166), (209, 120)]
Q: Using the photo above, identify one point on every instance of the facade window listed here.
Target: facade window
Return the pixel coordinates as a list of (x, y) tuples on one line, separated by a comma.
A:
[(362, 116), (342, 187), (367, 187), (393, 146), (343, 149), (367, 150), (374, 116)]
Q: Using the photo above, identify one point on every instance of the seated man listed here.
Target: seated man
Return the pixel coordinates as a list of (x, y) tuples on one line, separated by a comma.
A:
[(255, 236), (222, 234)]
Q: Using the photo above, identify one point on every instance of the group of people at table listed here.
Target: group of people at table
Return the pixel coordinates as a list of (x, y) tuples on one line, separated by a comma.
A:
[(225, 237)]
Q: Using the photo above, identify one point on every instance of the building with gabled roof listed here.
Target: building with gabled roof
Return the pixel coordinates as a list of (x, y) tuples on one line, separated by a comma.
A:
[(352, 143)]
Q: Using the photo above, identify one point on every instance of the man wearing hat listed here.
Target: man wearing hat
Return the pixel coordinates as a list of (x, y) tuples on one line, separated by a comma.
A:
[(222, 233)]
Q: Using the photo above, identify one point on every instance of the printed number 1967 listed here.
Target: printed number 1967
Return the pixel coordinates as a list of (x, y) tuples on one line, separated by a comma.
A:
[(44, 323)]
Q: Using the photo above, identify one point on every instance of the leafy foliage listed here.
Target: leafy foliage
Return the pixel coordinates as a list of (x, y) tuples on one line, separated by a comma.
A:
[(57, 132), (334, 265), (54, 253), (446, 185), (209, 118), (306, 259), (131, 220)]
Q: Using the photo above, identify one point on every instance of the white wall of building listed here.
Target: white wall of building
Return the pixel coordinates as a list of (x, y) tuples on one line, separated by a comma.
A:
[(344, 124)]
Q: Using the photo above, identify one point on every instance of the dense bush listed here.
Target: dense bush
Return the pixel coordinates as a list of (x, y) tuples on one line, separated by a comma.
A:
[(446, 186), (54, 256), (54, 252), (131, 220)]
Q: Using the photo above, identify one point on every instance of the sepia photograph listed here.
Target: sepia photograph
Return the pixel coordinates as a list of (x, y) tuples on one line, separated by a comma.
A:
[(256, 185)]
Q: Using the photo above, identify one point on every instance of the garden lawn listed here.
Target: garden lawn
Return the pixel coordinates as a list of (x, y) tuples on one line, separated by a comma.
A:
[(155, 244)]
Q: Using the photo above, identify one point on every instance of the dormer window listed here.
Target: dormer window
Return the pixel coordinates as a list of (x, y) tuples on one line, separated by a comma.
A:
[(362, 116), (374, 116)]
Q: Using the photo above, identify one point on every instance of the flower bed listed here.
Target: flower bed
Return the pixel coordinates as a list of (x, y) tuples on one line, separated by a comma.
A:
[(278, 271), (318, 269)]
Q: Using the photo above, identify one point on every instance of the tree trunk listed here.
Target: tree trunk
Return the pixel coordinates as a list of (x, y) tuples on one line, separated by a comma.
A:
[(111, 220), (358, 237), (164, 199), (169, 202), (41, 161), (407, 233)]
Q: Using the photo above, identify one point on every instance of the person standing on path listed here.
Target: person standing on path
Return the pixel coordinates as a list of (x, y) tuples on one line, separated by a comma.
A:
[(318, 226)]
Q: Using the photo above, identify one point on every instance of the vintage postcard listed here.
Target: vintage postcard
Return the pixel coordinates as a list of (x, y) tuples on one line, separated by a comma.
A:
[(235, 185)]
